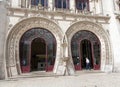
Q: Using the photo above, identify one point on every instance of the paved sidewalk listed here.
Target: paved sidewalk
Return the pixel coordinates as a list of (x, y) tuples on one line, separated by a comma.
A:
[(78, 80)]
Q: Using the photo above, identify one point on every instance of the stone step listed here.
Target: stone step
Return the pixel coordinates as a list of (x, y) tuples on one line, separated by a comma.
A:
[(88, 71), (34, 75), (38, 74)]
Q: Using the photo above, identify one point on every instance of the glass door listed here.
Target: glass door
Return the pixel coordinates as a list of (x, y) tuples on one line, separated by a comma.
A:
[(37, 50), (85, 44)]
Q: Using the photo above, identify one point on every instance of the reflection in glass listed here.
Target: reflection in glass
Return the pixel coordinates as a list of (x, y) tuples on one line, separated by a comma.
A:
[(44, 3), (82, 4), (62, 4)]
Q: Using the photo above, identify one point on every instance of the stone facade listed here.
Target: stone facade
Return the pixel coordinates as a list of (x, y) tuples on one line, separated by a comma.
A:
[(3, 30), (102, 19)]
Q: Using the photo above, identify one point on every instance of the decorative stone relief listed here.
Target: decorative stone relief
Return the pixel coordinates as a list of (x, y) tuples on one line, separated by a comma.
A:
[(10, 25), (19, 29), (11, 60)]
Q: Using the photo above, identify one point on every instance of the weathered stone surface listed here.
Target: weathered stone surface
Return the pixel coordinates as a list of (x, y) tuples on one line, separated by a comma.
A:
[(81, 79), (3, 24)]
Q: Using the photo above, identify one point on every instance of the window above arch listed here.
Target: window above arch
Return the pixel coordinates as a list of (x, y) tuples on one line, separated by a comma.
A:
[(62, 4), (44, 3), (82, 4)]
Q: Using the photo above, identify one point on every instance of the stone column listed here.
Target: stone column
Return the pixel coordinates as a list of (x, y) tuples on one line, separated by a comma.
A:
[(67, 64), (3, 26), (29, 2), (50, 5), (72, 5)]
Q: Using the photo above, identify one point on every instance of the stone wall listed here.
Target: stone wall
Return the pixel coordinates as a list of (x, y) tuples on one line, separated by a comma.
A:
[(3, 25)]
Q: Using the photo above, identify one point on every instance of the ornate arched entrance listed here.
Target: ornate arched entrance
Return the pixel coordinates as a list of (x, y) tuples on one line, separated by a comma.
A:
[(13, 62), (85, 44), (37, 50), (103, 44)]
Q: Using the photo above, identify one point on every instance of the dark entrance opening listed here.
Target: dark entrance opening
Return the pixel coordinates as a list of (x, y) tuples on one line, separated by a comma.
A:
[(38, 54), (37, 50), (86, 51)]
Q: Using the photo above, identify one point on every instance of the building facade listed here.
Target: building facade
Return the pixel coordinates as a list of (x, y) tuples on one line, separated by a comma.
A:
[(57, 35)]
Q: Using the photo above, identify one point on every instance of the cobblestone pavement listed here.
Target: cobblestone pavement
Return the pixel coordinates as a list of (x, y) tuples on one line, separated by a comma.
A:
[(78, 80)]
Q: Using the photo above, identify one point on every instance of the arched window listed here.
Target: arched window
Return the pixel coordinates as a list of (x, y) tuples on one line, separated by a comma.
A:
[(82, 4), (42, 2), (62, 4)]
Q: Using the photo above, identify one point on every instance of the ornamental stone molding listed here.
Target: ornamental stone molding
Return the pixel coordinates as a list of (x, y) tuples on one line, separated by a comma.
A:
[(106, 53), (57, 16), (15, 34)]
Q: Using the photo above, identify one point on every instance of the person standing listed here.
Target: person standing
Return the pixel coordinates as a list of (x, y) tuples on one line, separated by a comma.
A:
[(87, 63)]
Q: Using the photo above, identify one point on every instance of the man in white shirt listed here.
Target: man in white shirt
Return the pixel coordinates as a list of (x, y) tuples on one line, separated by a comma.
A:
[(87, 63)]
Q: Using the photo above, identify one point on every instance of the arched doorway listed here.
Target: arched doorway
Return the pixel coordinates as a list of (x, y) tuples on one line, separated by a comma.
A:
[(85, 44), (14, 38), (38, 54), (37, 50)]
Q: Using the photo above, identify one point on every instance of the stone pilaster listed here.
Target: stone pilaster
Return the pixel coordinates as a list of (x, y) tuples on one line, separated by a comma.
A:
[(114, 31), (50, 4), (3, 25), (72, 5)]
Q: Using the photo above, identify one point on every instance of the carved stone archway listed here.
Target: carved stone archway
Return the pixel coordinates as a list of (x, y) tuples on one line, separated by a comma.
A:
[(106, 52), (14, 35)]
